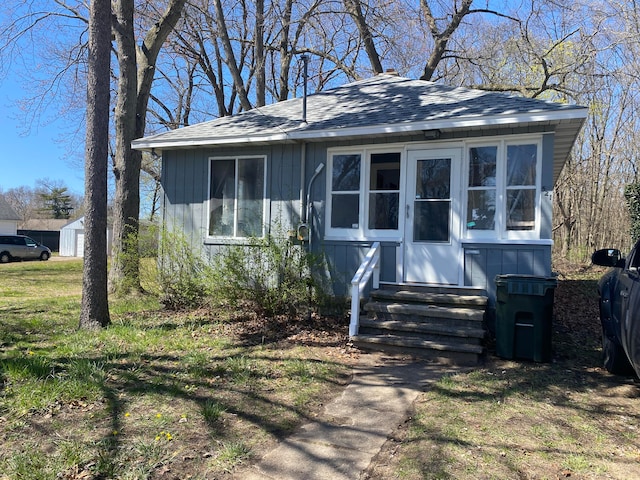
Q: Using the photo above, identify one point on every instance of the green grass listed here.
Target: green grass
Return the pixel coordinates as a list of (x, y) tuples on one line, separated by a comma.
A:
[(182, 391), (517, 419)]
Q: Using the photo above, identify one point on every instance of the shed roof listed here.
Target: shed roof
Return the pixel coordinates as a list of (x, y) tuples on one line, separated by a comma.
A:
[(7, 212), (384, 104), (43, 224)]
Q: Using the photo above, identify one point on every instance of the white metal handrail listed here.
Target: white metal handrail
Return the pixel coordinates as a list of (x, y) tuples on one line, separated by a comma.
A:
[(370, 266)]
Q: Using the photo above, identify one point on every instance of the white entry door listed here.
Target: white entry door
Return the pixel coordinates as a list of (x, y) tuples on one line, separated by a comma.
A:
[(432, 226)]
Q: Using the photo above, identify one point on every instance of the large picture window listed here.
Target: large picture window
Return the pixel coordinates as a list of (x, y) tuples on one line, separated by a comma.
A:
[(236, 197), (502, 190), (364, 193)]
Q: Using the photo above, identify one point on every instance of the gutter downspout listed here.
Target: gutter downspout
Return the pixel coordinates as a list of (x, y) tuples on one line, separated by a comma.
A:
[(303, 175), (309, 208)]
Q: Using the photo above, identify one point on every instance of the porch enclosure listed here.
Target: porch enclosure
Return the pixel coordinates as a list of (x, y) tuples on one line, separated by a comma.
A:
[(470, 207)]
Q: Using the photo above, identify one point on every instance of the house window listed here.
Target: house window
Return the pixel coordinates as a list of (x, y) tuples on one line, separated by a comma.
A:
[(237, 192), (365, 194), (384, 191), (481, 205), (502, 190), (521, 187), (345, 191)]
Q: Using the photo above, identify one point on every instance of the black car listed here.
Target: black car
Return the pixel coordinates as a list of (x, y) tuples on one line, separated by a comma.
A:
[(619, 291)]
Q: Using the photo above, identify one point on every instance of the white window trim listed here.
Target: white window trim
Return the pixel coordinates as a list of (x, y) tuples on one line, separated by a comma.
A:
[(363, 233), (500, 231), (212, 239)]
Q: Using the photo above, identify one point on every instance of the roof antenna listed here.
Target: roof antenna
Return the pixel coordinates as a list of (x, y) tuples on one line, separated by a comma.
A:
[(305, 63)]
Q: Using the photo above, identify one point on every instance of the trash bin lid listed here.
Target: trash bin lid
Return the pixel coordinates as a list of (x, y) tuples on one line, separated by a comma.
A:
[(526, 284)]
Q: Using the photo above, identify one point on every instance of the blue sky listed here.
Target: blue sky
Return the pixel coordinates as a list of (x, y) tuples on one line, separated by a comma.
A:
[(36, 154)]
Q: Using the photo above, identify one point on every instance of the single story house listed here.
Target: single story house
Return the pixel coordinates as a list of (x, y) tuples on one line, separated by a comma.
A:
[(8, 218), (455, 185)]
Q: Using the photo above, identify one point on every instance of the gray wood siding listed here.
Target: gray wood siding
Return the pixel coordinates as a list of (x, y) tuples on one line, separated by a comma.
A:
[(185, 178), (344, 258), (185, 181), (482, 262)]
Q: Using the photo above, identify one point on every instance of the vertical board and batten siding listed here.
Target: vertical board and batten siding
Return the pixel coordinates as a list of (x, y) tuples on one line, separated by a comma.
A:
[(482, 262), (185, 177)]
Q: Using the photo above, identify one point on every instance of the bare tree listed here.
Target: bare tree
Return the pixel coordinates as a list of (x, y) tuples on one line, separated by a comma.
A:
[(136, 74), (94, 312)]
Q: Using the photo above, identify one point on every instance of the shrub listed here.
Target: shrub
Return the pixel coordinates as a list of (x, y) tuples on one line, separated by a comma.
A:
[(182, 272), (271, 273)]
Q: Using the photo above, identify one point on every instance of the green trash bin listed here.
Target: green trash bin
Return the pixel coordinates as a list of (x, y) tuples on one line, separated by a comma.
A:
[(524, 312)]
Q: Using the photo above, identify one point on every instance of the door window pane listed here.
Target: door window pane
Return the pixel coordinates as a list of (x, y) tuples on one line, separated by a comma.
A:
[(431, 221), (432, 205), (432, 179)]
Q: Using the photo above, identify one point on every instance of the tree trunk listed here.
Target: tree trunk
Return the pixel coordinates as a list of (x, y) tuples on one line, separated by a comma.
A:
[(136, 71), (124, 275), (259, 66), (94, 311)]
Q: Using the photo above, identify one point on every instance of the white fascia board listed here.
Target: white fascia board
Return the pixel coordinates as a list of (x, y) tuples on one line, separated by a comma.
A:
[(469, 122), (150, 143), (394, 128)]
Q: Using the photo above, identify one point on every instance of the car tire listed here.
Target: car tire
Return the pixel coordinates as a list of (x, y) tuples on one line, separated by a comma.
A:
[(613, 357), (44, 256), (5, 257)]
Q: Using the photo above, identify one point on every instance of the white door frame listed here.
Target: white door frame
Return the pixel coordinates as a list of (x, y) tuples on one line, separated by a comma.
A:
[(425, 261)]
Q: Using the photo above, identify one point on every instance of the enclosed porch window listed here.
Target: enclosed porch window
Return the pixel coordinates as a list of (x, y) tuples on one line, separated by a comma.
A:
[(503, 190), (364, 197)]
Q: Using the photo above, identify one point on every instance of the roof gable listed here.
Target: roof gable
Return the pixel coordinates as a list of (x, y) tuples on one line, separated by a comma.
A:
[(7, 212)]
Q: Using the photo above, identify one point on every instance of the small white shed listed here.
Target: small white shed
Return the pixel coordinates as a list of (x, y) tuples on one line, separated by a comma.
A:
[(72, 239)]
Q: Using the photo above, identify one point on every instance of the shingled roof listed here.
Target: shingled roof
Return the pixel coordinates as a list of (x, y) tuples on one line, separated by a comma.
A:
[(7, 212), (384, 104)]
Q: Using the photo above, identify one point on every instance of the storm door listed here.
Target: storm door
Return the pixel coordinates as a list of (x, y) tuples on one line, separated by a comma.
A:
[(432, 224)]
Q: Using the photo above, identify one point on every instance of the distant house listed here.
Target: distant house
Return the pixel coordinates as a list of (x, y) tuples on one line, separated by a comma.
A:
[(8, 218), (72, 239), (44, 230)]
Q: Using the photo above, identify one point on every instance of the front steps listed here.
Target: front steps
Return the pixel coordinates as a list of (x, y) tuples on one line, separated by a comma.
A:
[(439, 323)]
